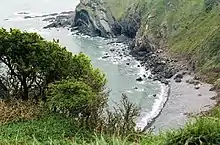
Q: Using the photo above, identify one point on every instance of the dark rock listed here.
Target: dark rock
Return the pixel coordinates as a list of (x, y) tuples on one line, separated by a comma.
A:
[(179, 76), (49, 19), (199, 94), (112, 49), (196, 77), (138, 66), (194, 82), (178, 80), (135, 88), (106, 56), (155, 95), (139, 79), (144, 76), (212, 88), (184, 73), (27, 17), (150, 77), (23, 13), (67, 12), (127, 63), (164, 81), (197, 87)]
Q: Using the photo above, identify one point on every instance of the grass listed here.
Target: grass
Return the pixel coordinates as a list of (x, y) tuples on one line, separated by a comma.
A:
[(55, 129), (185, 26)]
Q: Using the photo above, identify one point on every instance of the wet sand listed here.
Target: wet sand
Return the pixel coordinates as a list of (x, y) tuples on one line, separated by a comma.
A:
[(184, 99)]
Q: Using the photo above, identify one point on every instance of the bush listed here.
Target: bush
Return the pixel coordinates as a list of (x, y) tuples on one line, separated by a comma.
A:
[(77, 99)]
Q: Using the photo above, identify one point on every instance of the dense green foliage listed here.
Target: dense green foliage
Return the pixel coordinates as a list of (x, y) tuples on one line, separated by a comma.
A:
[(78, 100), (30, 63)]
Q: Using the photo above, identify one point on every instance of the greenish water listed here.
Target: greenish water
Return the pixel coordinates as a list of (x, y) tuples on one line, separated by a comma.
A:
[(121, 77)]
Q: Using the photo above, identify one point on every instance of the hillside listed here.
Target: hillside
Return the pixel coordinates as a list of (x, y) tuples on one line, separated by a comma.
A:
[(189, 29)]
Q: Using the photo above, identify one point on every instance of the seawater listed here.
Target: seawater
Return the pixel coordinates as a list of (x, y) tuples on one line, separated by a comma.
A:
[(121, 72)]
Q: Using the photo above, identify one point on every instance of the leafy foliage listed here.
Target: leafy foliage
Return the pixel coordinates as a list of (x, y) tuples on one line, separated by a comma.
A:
[(77, 99), (30, 63)]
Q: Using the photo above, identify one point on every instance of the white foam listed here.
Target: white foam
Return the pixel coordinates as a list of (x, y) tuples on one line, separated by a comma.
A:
[(157, 107)]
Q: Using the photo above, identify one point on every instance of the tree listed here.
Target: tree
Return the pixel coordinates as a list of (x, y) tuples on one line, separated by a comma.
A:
[(32, 63)]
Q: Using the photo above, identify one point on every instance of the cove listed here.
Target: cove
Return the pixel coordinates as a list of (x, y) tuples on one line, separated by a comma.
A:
[(120, 68)]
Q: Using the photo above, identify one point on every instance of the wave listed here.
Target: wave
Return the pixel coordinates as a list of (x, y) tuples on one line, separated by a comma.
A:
[(148, 118)]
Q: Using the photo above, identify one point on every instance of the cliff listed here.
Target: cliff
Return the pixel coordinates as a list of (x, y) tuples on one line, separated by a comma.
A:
[(186, 29)]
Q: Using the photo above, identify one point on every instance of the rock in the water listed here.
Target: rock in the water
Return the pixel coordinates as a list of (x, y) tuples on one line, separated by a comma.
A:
[(139, 79), (112, 49), (27, 17), (106, 56), (135, 88)]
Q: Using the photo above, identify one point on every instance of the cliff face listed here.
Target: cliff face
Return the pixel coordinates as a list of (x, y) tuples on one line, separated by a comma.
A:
[(94, 18), (187, 29)]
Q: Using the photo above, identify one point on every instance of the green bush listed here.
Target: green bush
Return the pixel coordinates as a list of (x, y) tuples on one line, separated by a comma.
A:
[(77, 99)]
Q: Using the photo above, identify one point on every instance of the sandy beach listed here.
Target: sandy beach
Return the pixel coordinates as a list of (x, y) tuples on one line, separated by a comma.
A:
[(184, 99)]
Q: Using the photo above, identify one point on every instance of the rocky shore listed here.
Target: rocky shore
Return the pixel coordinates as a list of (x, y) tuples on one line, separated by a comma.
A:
[(94, 18)]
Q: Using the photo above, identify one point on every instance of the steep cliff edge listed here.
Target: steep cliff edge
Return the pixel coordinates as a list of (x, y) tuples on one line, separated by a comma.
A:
[(91, 17), (188, 30)]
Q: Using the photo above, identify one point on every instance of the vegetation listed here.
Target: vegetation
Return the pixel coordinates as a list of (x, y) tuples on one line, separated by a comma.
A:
[(189, 28), (50, 96)]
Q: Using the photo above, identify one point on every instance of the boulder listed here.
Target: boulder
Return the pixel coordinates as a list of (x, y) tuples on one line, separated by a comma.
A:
[(106, 56), (179, 76), (178, 80), (212, 89), (139, 79), (197, 87)]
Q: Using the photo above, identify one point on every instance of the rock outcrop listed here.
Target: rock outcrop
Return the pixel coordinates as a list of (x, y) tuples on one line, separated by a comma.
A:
[(91, 17), (94, 18)]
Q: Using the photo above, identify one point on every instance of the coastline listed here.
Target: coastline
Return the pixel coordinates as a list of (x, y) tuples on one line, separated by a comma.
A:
[(163, 69)]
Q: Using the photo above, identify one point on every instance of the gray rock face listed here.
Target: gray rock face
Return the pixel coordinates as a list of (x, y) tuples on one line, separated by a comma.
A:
[(94, 18)]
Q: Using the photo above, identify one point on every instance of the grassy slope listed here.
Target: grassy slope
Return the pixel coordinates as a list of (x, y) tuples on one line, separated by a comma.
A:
[(59, 130), (186, 28)]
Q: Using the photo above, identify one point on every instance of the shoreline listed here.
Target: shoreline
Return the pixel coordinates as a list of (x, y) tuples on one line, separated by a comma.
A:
[(163, 69)]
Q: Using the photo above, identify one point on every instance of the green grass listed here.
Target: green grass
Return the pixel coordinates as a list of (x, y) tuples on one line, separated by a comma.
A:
[(185, 26), (52, 128), (55, 129)]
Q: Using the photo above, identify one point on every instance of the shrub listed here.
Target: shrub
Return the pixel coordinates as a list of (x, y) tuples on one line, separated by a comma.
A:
[(77, 99)]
